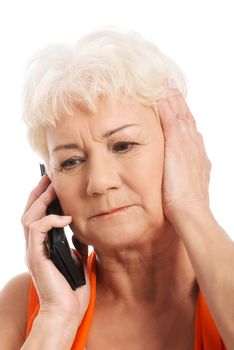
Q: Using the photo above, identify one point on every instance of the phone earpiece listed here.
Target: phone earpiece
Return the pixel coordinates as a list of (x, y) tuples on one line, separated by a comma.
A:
[(43, 169)]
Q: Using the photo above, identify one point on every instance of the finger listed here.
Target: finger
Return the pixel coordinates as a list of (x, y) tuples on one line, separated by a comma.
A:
[(167, 118), (184, 108), (38, 233), (36, 192), (178, 104), (177, 100), (38, 209), (173, 123), (178, 129)]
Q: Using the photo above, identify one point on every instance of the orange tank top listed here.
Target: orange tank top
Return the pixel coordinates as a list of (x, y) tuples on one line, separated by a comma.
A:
[(206, 334)]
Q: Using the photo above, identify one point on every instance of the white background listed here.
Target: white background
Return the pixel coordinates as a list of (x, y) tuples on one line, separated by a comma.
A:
[(197, 35)]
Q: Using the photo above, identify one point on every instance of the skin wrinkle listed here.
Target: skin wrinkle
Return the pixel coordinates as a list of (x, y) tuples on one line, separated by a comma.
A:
[(136, 244)]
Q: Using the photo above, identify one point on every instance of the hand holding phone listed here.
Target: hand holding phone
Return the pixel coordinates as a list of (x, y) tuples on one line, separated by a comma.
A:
[(58, 248), (55, 293)]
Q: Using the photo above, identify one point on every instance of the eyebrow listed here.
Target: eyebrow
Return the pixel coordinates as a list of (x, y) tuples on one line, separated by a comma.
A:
[(107, 134)]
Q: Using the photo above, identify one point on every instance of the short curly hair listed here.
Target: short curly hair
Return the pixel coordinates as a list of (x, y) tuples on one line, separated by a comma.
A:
[(100, 66)]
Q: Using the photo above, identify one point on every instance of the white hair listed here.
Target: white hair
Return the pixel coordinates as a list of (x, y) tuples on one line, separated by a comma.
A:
[(99, 66)]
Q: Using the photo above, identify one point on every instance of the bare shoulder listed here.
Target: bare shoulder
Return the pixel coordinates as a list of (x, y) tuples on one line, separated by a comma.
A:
[(13, 311)]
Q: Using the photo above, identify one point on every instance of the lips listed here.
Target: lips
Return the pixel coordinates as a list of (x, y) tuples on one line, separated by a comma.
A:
[(110, 211)]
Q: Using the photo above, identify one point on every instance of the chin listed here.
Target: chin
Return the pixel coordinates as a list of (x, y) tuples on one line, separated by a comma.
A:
[(118, 229), (121, 236)]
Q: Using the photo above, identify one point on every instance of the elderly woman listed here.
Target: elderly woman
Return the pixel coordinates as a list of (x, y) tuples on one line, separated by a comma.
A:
[(124, 157)]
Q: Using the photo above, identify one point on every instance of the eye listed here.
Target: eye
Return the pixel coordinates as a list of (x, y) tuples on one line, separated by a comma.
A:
[(71, 163), (123, 147)]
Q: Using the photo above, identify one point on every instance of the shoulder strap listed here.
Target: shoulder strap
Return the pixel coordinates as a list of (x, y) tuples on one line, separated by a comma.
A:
[(83, 330)]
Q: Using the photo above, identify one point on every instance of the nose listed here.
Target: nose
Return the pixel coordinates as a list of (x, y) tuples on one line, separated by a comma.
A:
[(102, 176)]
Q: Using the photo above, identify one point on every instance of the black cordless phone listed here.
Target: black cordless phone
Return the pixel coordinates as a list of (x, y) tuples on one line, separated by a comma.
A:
[(59, 251)]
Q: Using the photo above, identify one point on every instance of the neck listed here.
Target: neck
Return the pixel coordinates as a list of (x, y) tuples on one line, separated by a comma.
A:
[(156, 273)]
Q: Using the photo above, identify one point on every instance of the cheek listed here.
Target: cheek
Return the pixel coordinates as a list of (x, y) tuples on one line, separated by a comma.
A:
[(147, 168), (151, 179), (148, 176), (66, 194)]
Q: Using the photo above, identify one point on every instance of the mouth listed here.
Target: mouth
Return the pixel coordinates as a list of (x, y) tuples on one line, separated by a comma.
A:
[(111, 212)]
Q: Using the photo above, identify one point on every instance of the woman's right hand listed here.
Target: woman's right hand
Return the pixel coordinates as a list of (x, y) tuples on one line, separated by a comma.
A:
[(55, 294)]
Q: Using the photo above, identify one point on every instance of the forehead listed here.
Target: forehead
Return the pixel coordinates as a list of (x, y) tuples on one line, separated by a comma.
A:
[(111, 114)]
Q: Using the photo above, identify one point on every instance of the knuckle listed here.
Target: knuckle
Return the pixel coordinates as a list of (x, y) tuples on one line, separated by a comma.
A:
[(25, 223), (22, 220)]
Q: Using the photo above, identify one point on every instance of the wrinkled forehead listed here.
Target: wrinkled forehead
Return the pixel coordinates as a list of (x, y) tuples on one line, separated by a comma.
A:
[(111, 115)]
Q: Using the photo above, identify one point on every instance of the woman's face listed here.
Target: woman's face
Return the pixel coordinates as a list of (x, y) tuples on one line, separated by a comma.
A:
[(115, 159)]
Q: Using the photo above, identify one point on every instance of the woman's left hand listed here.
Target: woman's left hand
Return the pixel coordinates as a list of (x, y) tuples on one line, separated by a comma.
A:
[(187, 168)]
